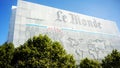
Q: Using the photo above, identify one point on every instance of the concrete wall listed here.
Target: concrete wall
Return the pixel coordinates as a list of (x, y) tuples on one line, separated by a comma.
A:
[(81, 35)]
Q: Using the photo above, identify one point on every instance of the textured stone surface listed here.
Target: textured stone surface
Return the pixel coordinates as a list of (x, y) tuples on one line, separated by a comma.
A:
[(81, 35)]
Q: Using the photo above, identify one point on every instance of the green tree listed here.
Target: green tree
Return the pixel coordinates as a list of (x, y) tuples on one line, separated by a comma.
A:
[(6, 55), (89, 63), (42, 52), (112, 60)]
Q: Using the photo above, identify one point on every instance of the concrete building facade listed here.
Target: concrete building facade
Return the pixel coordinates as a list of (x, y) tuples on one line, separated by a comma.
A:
[(81, 35)]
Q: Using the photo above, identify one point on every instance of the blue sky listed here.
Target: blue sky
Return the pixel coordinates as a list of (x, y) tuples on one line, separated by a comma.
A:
[(106, 9)]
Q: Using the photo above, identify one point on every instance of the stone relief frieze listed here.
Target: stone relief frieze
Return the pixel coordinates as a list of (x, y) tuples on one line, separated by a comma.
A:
[(82, 47)]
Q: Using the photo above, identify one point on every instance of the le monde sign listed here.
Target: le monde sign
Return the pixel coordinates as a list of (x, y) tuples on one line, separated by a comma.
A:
[(76, 19)]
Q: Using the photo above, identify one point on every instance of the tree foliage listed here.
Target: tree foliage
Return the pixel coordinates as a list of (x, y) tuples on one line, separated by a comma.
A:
[(112, 60), (42, 52), (6, 55), (89, 63)]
